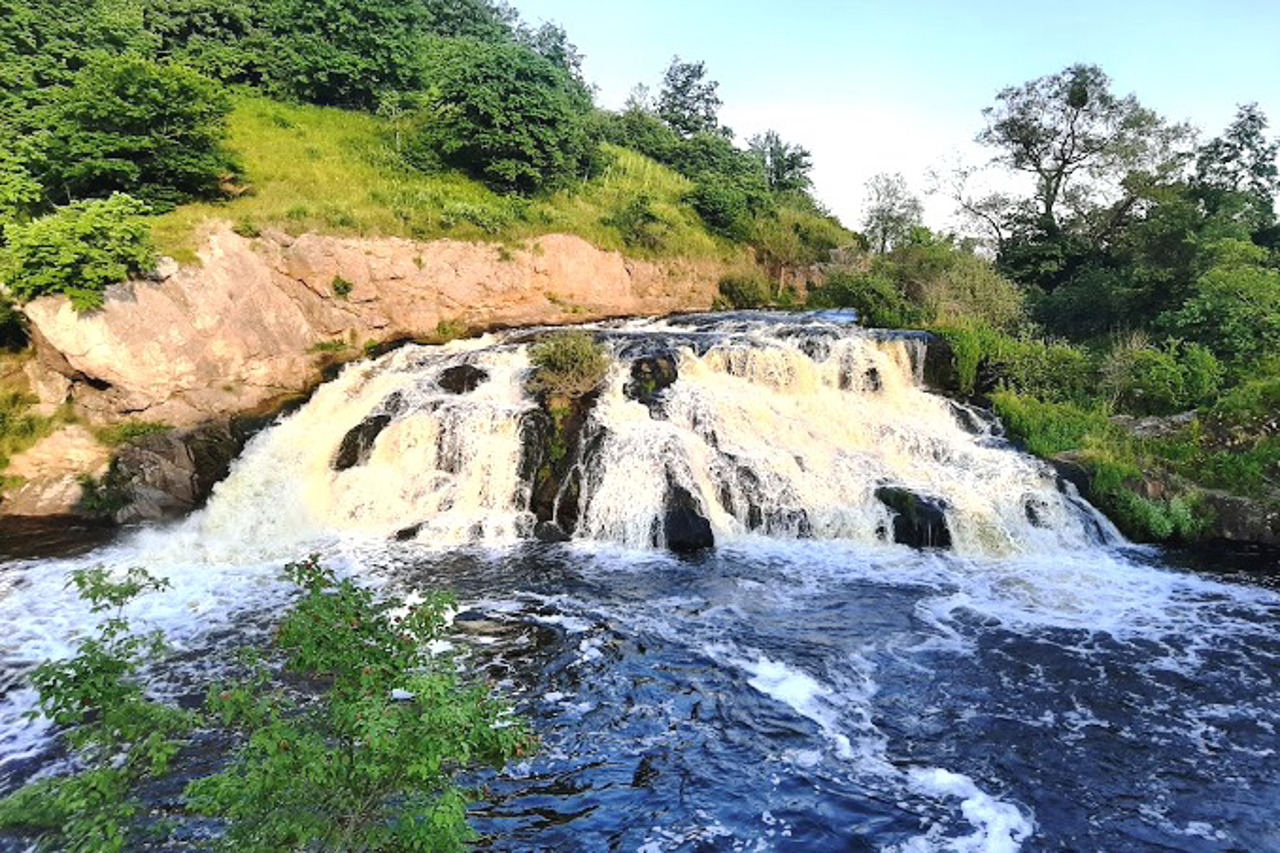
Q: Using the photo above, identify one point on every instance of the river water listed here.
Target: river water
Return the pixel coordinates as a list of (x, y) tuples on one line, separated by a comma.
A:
[(806, 685)]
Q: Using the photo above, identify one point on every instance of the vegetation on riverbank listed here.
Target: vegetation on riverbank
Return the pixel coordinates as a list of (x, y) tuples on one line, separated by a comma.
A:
[(357, 750)]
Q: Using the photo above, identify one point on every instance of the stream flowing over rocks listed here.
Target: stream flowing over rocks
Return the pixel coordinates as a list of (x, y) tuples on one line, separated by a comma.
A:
[(762, 589)]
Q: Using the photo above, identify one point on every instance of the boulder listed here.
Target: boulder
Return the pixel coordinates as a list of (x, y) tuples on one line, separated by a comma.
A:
[(462, 379), (919, 521), (168, 475), (684, 527), (358, 443), (652, 375)]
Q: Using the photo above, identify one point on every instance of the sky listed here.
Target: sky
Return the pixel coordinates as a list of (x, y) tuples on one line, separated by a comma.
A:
[(873, 87)]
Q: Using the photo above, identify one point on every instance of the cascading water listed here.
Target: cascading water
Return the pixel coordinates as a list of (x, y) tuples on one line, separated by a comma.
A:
[(806, 684)]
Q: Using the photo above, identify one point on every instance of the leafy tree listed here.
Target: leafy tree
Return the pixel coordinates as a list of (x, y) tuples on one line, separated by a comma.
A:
[(79, 250), (20, 193), (786, 166), (484, 20), (133, 125), (344, 52), (552, 43), (1235, 308), (506, 115), (892, 211), (1241, 162), (1073, 135), (223, 39), (874, 296), (688, 102)]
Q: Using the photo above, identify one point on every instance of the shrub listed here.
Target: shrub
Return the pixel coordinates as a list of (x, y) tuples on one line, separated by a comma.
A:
[(1159, 380), (745, 290), (506, 115), (136, 126), (78, 250), (639, 224), (568, 364), (724, 208), (1045, 428), (875, 298), (13, 330), (987, 359), (341, 287)]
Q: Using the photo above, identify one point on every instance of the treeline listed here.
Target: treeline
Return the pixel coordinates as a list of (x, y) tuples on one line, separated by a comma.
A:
[(131, 97), (1137, 275)]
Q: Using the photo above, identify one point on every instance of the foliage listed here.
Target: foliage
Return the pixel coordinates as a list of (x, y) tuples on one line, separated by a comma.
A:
[(640, 225), (949, 283), (892, 212), (127, 432), (1047, 428), (119, 735), (786, 166), (506, 115), (20, 427), (78, 251), (369, 765), (688, 101), (361, 755), (745, 290), (568, 364), (1235, 307), (132, 125), (875, 297), (341, 287), (1151, 380), (988, 360), (1241, 162), (796, 233)]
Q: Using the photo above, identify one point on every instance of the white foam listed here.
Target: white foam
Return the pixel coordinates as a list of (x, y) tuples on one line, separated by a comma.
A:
[(1000, 827)]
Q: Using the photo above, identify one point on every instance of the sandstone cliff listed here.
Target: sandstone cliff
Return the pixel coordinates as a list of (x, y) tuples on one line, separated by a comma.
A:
[(242, 328)]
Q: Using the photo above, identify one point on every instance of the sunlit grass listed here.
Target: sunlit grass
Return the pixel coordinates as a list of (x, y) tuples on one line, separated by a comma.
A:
[(317, 169)]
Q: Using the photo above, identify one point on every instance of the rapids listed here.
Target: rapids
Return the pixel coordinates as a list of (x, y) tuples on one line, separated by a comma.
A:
[(807, 684)]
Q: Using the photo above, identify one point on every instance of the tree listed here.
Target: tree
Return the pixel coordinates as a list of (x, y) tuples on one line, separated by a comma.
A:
[(133, 125), (552, 43), (892, 211), (786, 166), (344, 52), (688, 102), (506, 115), (1073, 136), (1241, 162)]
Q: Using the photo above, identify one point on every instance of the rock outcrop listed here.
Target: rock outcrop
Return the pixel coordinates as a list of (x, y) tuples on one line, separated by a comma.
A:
[(52, 471), (246, 325)]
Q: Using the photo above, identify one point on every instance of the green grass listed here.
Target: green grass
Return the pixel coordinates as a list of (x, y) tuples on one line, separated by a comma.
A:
[(125, 432), (332, 171), (20, 426)]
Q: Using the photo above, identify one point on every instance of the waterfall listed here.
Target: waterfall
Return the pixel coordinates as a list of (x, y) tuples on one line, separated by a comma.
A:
[(791, 428)]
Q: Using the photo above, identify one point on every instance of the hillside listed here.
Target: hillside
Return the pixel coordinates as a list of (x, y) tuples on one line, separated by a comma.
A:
[(323, 170)]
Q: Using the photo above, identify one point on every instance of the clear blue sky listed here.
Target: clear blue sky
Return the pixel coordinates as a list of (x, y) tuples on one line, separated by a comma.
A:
[(899, 86)]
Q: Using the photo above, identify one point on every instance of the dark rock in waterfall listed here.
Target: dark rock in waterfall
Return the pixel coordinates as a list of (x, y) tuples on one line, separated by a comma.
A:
[(549, 531), (1070, 468), (940, 374), (650, 376), (872, 381), (685, 527), (408, 534), (170, 474), (918, 521), (357, 444), (1037, 511), (788, 522), (552, 442), (462, 379)]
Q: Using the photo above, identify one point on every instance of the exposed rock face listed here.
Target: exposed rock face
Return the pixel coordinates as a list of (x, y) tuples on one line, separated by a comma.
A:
[(918, 521), (236, 332), (52, 470), (462, 379), (685, 527)]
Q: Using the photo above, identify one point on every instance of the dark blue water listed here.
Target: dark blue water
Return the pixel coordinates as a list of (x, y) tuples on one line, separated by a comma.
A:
[(803, 697)]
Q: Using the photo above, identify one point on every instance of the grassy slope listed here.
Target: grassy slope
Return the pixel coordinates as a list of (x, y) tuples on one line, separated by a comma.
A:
[(333, 171)]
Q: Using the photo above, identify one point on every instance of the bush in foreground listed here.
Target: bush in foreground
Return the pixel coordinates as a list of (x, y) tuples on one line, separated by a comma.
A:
[(359, 754)]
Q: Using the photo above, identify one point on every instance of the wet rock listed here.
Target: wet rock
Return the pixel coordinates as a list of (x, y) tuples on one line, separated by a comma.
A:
[(170, 474), (919, 521), (1037, 511), (1070, 468), (408, 534), (462, 379), (650, 376), (685, 527), (551, 441), (940, 373), (357, 445), (550, 531)]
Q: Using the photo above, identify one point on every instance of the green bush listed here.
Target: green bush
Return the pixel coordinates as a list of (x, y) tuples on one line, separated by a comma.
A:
[(724, 208), (341, 287), (506, 115), (1047, 429), (877, 300), (78, 250), (1050, 369), (1149, 380), (745, 290), (135, 126), (639, 224), (567, 364)]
